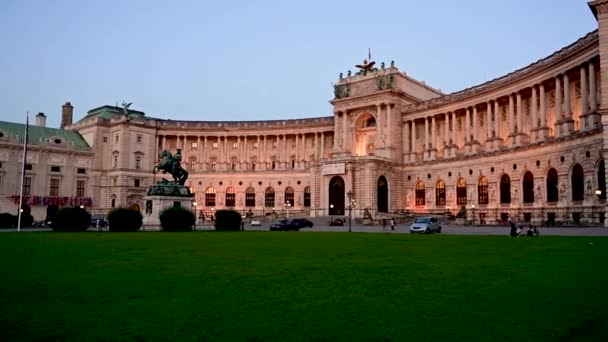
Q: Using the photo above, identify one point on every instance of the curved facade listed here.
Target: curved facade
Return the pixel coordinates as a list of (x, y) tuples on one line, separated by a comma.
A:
[(527, 145)]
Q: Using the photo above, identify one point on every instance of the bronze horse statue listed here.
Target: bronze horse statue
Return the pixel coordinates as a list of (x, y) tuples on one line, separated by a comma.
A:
[(171, 164)]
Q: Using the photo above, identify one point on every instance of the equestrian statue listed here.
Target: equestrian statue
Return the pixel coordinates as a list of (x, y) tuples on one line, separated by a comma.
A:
[(171, 164)]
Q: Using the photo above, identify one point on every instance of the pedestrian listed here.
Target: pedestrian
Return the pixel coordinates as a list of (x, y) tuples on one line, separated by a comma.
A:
[(535, 230), (383, 223), (393, 224), (242, 225), (513, 229)]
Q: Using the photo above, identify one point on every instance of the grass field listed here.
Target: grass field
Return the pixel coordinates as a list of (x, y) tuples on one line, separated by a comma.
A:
[(302, 286)]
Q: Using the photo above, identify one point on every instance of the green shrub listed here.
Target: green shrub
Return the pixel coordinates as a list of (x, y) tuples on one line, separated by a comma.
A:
[(176, 219), (227, 220), (8, 220), (72, 219), (125, 220)]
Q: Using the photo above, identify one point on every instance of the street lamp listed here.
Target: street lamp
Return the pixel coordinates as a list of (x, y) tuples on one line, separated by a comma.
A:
[(473, 209), (598, 193), (194, 206), (351, 204), (287, 205), (331, 213)]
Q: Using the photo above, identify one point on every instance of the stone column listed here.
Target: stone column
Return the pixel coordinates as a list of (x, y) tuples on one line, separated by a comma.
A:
[(413, 155), (321, 156), (344, 131), (204, 158), (406, 141), (467, 130), (543, 130), (446, 132), (511, 121), (520, 120), (475, 142), (389, 125), (592, 88), (426, 137), (488, 124), (497, 117), (533, 114), (558, 106), (454, 144), (265, 152), (584, 98), (433, 139), (568, 125), (297, 147), (336, 130)]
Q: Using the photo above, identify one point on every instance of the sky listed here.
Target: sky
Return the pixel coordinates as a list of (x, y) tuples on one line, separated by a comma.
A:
[(258, 60)]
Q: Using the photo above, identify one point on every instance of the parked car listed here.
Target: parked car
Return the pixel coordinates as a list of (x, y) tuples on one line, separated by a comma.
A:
[(102, 223), (255, 223), (425, 225), (337, 222), (284, 225), (302, 222)]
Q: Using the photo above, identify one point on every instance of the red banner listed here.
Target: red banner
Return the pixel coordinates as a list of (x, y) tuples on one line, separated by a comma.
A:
[(53, 200)]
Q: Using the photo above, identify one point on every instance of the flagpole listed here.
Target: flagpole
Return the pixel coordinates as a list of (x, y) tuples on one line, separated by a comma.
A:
[(27, 122)]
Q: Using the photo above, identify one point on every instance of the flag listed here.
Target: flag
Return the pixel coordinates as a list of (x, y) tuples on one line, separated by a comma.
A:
[(25, 141)]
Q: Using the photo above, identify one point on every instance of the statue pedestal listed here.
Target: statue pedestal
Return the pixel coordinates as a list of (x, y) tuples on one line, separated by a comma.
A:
[(156, 204)]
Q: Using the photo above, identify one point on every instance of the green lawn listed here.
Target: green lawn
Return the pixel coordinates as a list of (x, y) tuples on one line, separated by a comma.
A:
[(266, 286)]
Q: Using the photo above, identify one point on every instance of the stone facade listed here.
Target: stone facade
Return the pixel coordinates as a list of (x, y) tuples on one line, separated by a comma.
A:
[(528, 145)]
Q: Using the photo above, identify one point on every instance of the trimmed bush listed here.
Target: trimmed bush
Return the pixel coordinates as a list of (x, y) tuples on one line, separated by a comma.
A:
[(72, 219), (8, 220), (176, 219), (125, 220), (227, 220)]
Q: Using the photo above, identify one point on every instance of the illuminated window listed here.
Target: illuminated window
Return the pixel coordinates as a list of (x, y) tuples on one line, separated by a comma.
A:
[(307, 196), (250, 197), (80, 184), (482, 191), (461, 192), (420, 193), (210, 197), (230, 197), (54, 190), (440, 193), (269, 198), (289, 196)]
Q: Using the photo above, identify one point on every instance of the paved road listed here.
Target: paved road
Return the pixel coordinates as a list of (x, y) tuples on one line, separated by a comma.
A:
[(400, 229)]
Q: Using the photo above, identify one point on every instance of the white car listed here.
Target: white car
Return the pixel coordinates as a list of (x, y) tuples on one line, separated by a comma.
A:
[(255, 223), (425, 225)]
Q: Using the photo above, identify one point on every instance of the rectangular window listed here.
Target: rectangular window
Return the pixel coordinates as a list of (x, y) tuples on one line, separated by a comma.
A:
[(80, 188), (230, 200), (194, 144), (269, 200), (28, 166), (116, 138), (307, 199), (55, 168), (214, 145), (140, 138), (54, 190), (81, 171), (105, 139), (27, 186), (0, 165), (138, 162), (136, 182), (210, 199), (250, 198), (235, 145)]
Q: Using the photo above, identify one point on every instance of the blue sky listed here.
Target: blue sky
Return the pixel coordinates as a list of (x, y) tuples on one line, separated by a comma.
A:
[(258, 60)]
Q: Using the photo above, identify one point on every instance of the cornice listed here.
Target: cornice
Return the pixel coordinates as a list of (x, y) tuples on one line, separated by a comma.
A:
[(598, 7)]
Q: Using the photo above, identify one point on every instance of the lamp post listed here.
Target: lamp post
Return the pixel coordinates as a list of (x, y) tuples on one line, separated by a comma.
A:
[(473, 209), (287, 205), (194, 207), (331, 212), (351, 204), (598, 193)]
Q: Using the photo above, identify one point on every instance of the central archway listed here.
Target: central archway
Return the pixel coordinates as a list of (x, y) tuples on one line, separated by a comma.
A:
[(382, 195), (336, 196)]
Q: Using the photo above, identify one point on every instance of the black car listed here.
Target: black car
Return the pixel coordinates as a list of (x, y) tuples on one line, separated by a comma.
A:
[(284, 225), (337, 222), (302, 222)]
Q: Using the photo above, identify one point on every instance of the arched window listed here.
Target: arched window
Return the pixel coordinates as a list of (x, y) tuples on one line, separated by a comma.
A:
[(482, 191), (250, 197), (269, 198), (528, 186), (461, 192), (552, 194), (289, 196), (601, 179), (210, 197), (440, 193), (578, 183), (307, 197), (505, 189), (420, 193), (230, 197)]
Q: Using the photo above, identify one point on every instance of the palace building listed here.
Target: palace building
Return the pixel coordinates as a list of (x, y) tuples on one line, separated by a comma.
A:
[(528, 145)]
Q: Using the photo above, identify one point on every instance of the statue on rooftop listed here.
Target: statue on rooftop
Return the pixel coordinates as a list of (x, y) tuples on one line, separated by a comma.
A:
[(367, 66), (125, 107)]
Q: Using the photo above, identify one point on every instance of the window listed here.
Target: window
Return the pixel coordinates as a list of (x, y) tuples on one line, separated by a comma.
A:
[(81, 171), (307, 197), (210, 197), (194, 144), (105, 139), (461, 192), (505, 189), (55, 169), (273, 165), (28, 166), (528, 186), (289, 196), (136, 182), (0, 165), (552, 194), (54, 190), (214, 145), (230, 197), (420, 193), (440, 193), (250, 197), (269, 198), (115, 164), (293, 164), (116, 138), (578, 179), (113, 205), (482, 191), (80, 188), (235, 145), (253, 165), (140, 138), (138, 162), (27, 186)]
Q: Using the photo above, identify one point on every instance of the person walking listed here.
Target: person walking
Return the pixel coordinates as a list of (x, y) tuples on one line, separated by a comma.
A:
[(393, 223), (383, 223)]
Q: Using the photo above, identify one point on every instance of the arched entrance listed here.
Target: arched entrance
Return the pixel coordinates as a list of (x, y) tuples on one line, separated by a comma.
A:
[(382, 195), (336, 196)]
